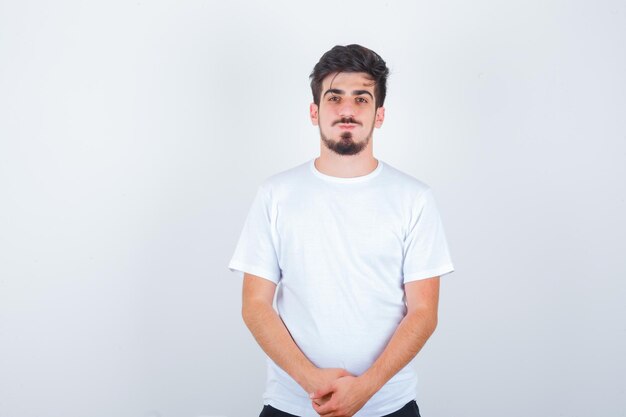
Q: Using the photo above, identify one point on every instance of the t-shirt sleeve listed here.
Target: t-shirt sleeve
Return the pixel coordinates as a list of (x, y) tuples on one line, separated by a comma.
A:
[(255, 252), (426, 253)]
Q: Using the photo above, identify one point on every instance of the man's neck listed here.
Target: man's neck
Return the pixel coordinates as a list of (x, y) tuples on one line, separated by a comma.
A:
[(346, 166)]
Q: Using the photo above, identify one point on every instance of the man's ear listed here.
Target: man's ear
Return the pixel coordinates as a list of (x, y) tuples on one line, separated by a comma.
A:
[(380, 117), (313, 113)]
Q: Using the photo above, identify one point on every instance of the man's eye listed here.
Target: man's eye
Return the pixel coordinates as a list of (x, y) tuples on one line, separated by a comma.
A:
[(361, 100), (333, 98)]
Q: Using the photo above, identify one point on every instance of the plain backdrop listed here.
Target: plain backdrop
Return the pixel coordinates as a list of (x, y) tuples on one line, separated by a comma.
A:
[(133, 136)]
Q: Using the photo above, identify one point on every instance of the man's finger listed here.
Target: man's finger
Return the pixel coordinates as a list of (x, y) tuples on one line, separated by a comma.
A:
[(323, 400), (324, 409), (322, 392)]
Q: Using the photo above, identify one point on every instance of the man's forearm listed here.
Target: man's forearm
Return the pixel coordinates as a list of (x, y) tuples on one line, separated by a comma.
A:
[(272, 335), (409, 338), (350, 394), (274, 338)]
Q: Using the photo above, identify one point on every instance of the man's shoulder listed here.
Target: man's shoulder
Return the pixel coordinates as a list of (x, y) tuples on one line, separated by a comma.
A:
[(291, 174), (297, 179), (288, 178), (399, 180)]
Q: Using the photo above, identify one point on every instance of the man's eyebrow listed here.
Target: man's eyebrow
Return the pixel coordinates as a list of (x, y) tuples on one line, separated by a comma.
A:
[(354, 93), (359, 92), (334, 91)]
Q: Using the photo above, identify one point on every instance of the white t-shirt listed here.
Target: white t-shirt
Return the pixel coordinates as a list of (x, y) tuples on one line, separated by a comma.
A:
[(340, 250)]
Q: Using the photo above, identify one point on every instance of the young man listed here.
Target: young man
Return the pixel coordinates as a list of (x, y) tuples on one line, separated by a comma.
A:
[(354, 249)]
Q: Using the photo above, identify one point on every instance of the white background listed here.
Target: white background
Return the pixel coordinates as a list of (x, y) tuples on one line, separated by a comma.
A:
[(133, 136)]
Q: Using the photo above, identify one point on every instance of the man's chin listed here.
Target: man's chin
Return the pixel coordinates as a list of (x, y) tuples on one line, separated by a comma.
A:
[(344, 144), (345, 147)]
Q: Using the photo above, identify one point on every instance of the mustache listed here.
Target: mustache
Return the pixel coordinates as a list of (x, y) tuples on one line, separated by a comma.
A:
[(347, 120)]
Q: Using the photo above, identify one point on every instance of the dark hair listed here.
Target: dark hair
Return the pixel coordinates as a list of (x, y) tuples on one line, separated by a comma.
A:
[(351, 58)]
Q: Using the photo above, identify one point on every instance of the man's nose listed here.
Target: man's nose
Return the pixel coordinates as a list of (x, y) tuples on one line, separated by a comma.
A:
[(346, 109)]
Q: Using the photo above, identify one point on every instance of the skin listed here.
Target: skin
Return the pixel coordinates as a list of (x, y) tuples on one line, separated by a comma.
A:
[(272, 335), (335, 106), (335, 392), (348, 394)]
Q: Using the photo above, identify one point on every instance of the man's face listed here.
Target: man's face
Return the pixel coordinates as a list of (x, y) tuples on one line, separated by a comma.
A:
[(347, 112)]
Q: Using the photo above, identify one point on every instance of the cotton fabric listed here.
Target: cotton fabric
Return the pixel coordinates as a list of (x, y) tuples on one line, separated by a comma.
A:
[(340, 250)]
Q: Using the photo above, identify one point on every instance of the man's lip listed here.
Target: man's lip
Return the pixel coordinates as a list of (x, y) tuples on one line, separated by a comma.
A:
[(347, 126)]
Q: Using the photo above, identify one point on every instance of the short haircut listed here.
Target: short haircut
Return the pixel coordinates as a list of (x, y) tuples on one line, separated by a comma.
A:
[(351, 58)]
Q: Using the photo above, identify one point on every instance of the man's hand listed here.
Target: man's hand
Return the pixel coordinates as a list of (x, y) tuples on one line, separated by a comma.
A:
[(348, 395), (322, 378)]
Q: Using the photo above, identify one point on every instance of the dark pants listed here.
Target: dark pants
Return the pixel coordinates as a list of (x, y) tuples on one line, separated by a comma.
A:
[(409, 410)]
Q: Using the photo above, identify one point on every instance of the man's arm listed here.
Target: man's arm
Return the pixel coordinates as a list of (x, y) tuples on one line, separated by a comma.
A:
[(349, 394), (272, 335)]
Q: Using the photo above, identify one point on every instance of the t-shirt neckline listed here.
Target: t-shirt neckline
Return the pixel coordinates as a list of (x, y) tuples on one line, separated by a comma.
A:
[(343, 180)]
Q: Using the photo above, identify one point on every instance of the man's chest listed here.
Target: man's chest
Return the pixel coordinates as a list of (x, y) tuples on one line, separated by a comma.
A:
[(354, 226)]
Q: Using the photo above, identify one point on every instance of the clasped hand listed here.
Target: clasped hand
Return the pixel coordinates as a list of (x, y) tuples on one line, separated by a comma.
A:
[(342, 397)]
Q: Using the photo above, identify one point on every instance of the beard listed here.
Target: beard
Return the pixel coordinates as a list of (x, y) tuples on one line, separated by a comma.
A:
[(346, 144)]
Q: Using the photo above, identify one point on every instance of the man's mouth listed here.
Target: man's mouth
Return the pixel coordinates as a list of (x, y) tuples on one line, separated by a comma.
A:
[(346, 123)]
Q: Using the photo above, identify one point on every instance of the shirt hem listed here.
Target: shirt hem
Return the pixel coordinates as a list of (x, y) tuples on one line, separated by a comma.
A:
[(429, 273), (253, 270)]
